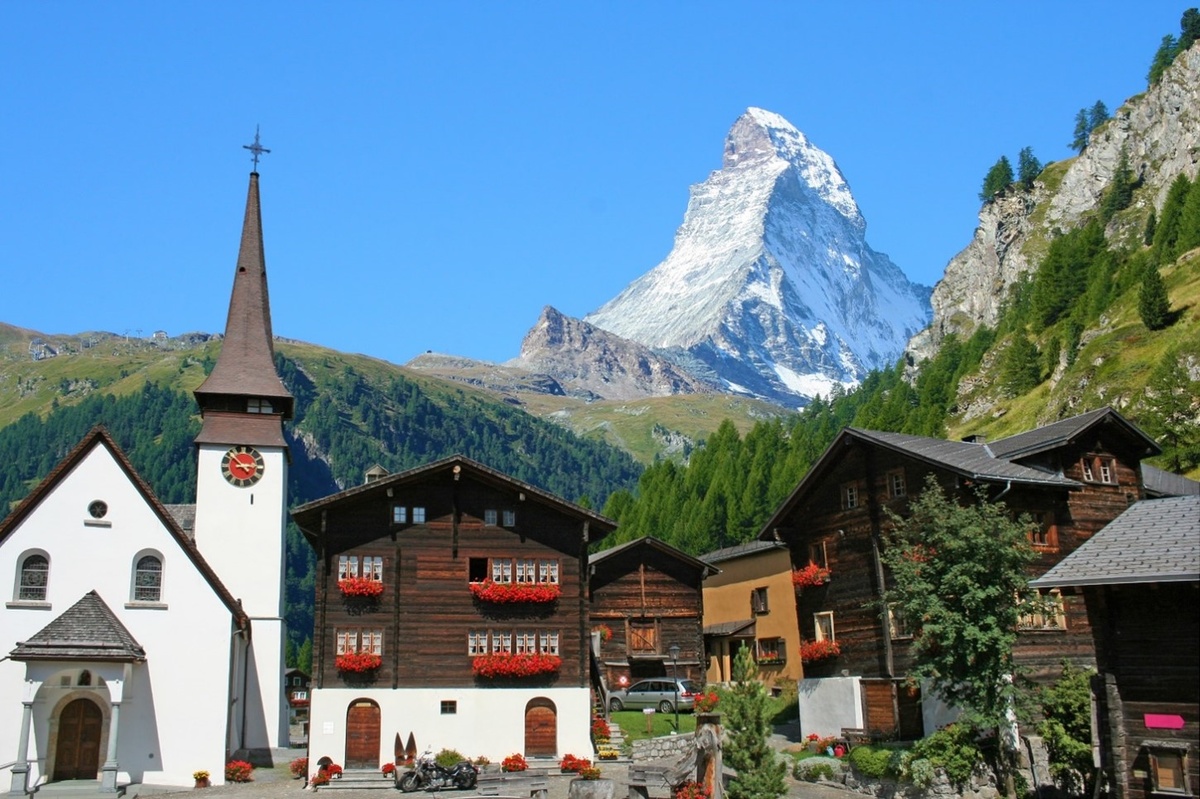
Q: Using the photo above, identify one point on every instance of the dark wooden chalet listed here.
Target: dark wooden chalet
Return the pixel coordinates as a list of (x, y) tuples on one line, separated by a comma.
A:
[(1072, 476), (646, 596), (458, 579), (427, 535), (1140, 580)]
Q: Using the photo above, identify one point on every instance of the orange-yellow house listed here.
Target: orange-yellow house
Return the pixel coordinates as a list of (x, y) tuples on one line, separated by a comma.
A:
[(752, 602)]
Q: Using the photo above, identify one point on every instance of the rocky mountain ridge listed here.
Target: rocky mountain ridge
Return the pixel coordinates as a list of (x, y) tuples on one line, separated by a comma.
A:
[(1159, 134)]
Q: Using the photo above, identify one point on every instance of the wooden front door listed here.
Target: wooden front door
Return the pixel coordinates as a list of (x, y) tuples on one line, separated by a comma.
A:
[(77, 756), (541, 729), (362, 734)]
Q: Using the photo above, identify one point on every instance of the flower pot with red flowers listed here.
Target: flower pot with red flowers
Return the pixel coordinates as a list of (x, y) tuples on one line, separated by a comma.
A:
[(389, 769), (358, 662), (507, 664), (516, 593), (570, 764), (816, 651), (360, 587), (514, 762), (811, 576)]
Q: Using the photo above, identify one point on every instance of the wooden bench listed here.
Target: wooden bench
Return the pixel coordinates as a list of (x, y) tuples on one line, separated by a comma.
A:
[(660, 774), (534, 784)]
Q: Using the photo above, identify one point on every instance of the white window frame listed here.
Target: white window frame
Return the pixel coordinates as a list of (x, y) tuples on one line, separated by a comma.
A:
[(31, 592), (849, 496), (347, 566), (526, 643), (372, 568), (1107, 472), (347, 642), (897, 624), (1087, 470), (490, 516), (526, 570), (418, 515), (136, 592), (1052, 618), (548, 571), (548, 645), (896, 485), (820, 622), (508, 518), (399, 514), (477, 643)]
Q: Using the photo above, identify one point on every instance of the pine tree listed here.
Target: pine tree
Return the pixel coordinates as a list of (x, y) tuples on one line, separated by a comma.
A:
[(1189, 222), (1189, 29), (747, 725), (1162, 59), (1028, 167), (1097, 116), (1166, 235), (998, 178), (1021, 367), (1170, 417), (1120, 192), (1080, 141), (1151, 224), (1154, 307)]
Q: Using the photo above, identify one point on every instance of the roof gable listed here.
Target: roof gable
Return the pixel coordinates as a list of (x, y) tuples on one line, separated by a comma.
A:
[(1066, 431), (98, 437), (608, 557), (88, 630)]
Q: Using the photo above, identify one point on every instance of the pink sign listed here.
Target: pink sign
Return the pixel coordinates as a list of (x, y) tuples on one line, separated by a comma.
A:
[(1163, 721)]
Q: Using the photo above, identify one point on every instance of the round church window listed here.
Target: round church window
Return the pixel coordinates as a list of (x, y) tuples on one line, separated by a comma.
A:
[(98, 509)]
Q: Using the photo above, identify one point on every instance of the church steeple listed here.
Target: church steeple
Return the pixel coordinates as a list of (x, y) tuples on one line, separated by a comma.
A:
[(244, 380)]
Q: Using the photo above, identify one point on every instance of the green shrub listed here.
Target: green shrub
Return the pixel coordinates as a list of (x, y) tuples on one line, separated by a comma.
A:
[(448, 758), (871, 761), (814, 769), (952, 749)]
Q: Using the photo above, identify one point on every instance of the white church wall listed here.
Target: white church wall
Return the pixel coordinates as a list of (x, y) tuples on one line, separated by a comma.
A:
[(488, 722), (173, 715)]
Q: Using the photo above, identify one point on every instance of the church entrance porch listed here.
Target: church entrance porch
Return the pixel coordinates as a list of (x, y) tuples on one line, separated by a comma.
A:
[(77, 751)]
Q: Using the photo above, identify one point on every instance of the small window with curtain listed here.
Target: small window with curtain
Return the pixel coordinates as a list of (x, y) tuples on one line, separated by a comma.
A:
[(477, 642), (823, 622), (850, 497), (418, 515), (758, 601), (1168, 767), (147, 579), (1045, 612)]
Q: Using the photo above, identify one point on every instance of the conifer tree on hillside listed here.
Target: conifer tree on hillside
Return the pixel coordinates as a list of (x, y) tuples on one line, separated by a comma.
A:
[(1080, 139), (1154, 307), (998, 178), (1028, 167), (748, 727), (1167, 233), (1162, 59), (1170, 419)]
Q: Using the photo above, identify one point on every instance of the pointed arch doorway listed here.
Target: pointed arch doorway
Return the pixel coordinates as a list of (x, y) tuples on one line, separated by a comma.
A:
[(362, 734), (541, 728), (77, 753)]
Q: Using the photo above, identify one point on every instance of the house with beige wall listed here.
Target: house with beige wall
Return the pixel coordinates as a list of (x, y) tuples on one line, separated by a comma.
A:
[(752, 601)]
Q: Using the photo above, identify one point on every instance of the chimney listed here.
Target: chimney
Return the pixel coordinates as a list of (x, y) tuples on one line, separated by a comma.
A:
[(975, 438)]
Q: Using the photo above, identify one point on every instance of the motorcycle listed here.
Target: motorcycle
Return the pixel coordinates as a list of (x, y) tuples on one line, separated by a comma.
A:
[(427, 775)]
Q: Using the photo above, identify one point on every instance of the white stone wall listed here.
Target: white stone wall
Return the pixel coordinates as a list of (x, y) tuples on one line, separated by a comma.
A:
[(488, 722), (828, 704)]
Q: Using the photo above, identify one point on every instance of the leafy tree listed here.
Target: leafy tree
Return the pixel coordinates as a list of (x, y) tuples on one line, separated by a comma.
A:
[(1170, 416), (1080, 139), (747, 724), (1162, 59), (1066, 728), (998, 178), (1154, 307), (1028, 167), (1020, 366), (958, 570)]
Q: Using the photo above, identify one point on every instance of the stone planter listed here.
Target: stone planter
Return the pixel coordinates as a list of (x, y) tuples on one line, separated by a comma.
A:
[(591, 789)]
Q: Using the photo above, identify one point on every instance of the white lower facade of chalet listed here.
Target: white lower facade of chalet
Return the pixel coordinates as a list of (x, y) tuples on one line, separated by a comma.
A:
[(485, 722)]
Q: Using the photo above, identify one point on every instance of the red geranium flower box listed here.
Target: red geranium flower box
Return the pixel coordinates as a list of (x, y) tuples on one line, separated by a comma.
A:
[(812, 651), (504, 664), (810, 576), (358, 662), (512, 593), (360, 587)]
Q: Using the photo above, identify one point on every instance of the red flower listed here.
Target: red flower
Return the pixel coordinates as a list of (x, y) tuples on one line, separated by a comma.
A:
[(571, 763), (604, 630), (812, 651), (810, 576), (692, 790), (360, 587), (706, 702), (358, 662), (505, 664), (514, 763), (389, 768), (508, 593)]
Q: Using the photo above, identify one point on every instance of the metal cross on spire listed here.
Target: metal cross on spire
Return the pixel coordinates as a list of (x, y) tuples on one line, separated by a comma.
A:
[(255, 148)]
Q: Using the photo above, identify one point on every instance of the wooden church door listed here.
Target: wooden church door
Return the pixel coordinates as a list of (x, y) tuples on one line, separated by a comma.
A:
[(77, 756), (362, 734)]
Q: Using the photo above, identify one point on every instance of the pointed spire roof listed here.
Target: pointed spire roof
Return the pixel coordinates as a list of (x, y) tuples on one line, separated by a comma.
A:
[(246, 365)]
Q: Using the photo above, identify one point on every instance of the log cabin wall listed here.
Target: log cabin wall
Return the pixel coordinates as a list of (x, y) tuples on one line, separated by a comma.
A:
[(1148, 648), (427, 611), (650, 600)]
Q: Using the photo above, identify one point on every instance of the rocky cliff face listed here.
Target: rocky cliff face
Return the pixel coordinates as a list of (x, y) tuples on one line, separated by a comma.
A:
[(771, 289), (1159, 131), (591, 360)]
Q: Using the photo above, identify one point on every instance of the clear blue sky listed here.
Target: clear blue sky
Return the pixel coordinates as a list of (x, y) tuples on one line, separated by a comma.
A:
[(441, 171)]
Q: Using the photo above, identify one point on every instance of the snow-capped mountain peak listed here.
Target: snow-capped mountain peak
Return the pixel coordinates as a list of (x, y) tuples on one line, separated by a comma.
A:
[(770, 286)]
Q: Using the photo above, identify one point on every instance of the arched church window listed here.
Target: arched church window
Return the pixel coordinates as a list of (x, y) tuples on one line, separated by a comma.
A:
[(85, 677), (147, 579), (35, 576)]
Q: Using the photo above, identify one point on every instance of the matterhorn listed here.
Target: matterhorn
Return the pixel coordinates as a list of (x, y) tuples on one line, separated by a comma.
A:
[(771, 289)]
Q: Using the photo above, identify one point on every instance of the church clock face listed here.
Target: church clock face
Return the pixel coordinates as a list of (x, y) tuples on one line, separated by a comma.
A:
[(242, 466)]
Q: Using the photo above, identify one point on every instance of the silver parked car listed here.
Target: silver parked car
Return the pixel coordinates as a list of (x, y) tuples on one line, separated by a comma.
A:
[(659, 693)]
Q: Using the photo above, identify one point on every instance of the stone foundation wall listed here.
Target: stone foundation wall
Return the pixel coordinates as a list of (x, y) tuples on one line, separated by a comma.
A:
[(668, 747)]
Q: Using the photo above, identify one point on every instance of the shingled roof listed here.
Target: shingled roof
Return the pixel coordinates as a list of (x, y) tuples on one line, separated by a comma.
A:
[(741, 550), (1153, 541), (650, 541), (88, 630), (1056, 434)]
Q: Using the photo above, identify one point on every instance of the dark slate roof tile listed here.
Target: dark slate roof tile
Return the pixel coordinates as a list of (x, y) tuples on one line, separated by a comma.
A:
[(88, 630)]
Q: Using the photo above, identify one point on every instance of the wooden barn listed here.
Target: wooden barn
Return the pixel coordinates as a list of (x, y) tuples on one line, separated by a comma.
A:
[(451, 612), (645, 598), (1140, 580), (1073, 476)]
